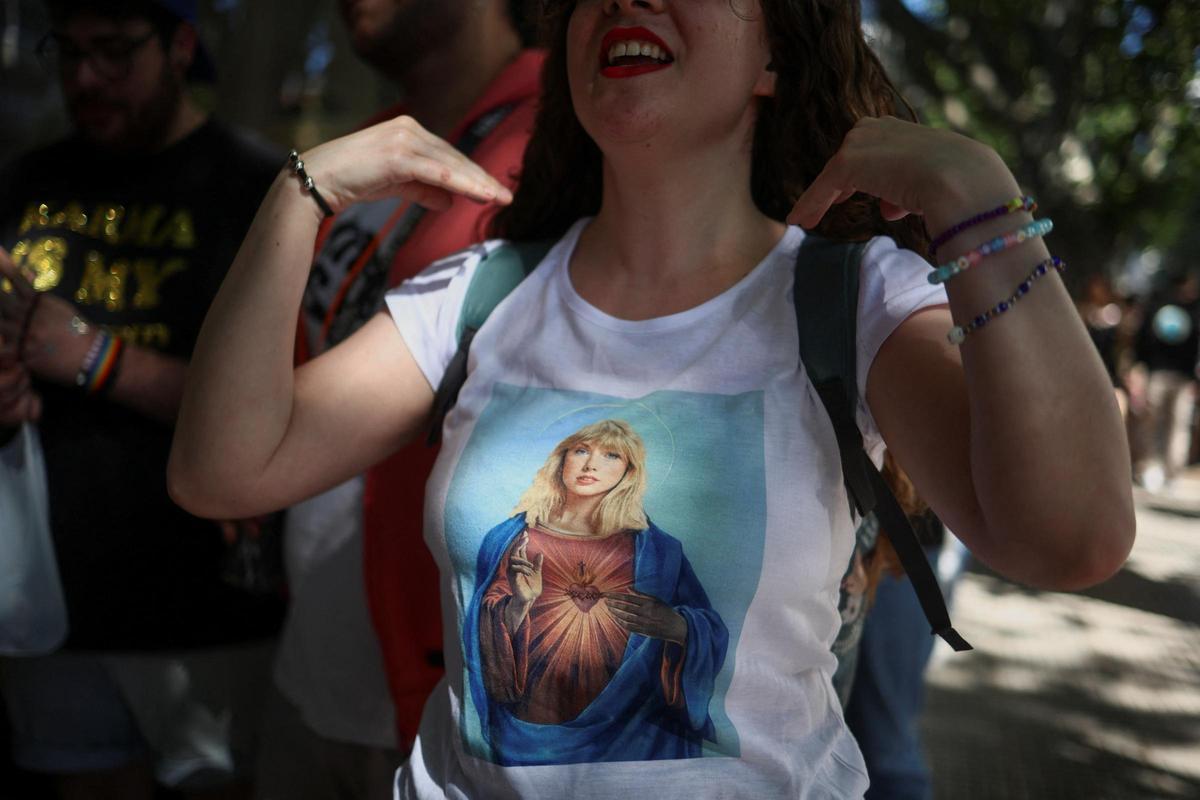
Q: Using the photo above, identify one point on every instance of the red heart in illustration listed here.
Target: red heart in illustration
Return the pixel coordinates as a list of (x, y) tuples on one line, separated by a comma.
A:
[(584, 596)]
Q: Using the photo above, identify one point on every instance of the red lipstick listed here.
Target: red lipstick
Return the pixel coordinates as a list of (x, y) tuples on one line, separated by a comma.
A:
[(635, 34)]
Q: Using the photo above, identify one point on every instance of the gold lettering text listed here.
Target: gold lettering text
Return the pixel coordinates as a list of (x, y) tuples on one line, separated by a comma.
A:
[(44, 258), (28, 219), (150, 277), (140, 225), (74, 217), (179, 230), (102, 284), (155, 335), (106, 223)]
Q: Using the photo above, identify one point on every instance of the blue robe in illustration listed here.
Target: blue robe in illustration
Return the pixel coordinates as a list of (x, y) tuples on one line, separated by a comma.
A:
[(630, 720)]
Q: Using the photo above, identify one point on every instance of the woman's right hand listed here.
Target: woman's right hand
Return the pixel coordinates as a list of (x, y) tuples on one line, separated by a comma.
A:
[(524, 575), (398, 157), (254, 434)]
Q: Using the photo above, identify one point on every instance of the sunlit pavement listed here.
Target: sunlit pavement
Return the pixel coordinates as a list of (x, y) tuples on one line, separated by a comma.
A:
[(1093, 695)]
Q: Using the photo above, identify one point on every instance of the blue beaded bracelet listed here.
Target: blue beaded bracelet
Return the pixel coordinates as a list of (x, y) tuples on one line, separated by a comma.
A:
[(1023, 203), (958, 333), (1009, 240)]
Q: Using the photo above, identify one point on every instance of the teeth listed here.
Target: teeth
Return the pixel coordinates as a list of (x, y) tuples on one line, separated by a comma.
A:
[(636, 49)]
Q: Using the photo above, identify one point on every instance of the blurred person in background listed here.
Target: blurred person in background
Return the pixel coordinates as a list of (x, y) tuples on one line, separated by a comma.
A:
[(361, 648), (1103, 316), (887, 696), (1163, 381), (115, 241), (884, 645)]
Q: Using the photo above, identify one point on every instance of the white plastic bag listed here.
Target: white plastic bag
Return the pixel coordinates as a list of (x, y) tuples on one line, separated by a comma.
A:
[(33, 613)]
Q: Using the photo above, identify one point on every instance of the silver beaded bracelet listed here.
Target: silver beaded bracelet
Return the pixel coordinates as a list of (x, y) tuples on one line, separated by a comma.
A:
[(297, 167)]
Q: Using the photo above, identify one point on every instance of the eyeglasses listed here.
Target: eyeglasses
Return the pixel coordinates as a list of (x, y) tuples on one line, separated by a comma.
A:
[(111, 57)]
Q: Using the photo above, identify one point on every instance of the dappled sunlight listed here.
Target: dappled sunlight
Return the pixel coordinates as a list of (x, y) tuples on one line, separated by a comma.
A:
[(1090, 695)]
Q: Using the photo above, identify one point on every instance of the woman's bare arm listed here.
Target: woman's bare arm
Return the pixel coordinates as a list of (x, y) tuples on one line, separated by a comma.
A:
[(1013, 438), (254, 434)]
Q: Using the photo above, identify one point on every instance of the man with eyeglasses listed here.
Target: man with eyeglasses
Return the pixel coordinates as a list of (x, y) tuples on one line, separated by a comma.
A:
[(115, 241)]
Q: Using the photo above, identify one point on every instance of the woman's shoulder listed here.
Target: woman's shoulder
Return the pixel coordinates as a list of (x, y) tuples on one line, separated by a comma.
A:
[(892, 275), (492, 256), (884, 248)]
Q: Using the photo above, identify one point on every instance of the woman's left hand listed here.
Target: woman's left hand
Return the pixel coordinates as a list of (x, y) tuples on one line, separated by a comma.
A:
[(647, 615), (912, 169)]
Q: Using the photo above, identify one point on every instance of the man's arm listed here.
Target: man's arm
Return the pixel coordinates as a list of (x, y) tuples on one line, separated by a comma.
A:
[(47, 338)]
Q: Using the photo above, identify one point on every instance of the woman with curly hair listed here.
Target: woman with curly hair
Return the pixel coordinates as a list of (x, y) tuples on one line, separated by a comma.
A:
[(683, 152)]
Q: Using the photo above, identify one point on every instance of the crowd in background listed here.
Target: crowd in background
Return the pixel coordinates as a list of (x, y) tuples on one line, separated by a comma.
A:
[(339, 713), (1150, 344)]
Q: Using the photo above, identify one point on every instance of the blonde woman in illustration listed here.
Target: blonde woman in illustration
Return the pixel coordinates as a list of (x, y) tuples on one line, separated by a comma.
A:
[(574, 652)]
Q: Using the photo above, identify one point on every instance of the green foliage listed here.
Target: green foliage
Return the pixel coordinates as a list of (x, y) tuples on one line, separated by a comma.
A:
[(1095, 104)]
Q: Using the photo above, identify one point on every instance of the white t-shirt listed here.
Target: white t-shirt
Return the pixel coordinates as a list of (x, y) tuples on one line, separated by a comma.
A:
[(749, 534)]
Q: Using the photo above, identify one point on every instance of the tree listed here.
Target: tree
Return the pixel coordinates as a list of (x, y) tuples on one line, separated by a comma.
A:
[(1095, 104)]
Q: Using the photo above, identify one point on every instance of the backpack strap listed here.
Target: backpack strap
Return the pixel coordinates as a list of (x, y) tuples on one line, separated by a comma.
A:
[(826, 300), (499, 272)]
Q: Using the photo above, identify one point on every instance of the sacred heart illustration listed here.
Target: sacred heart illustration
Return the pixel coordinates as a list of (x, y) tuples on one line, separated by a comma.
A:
[(582, 592), (584, 596)]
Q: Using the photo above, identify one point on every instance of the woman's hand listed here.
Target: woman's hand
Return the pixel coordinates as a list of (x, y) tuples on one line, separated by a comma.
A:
[(912, 169), (398, 157), (524, 580), (647, 615)]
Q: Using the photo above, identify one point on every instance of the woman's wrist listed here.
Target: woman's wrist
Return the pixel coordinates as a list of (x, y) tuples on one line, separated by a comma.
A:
[(294, 198), (976, 185)]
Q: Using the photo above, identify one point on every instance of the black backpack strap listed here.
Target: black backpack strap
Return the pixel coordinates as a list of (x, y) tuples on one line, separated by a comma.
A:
[(499, 272), (894, 521), (826, 300)]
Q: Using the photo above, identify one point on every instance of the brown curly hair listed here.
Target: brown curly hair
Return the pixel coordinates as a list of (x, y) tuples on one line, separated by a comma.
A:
[(828, 79)]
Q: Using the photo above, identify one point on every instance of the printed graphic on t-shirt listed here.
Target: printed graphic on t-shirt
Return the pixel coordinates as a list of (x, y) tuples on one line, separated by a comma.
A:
[(606, 551)]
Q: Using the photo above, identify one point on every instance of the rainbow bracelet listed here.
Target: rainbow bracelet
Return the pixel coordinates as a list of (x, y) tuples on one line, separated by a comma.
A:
[(100, 365), (1009, 240), (1025, 203), (959, 332)]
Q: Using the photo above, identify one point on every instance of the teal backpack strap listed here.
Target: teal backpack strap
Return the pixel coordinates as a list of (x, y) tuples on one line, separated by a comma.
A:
[(499, 272), (826, 299)]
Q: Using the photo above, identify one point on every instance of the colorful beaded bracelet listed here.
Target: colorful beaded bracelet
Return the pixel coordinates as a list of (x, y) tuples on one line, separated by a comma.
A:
[(1025, 203), (1009, 240), (100, 365), (958, 333)]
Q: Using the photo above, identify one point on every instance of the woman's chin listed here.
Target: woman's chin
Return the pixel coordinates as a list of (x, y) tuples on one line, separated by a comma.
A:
[(622, 124)]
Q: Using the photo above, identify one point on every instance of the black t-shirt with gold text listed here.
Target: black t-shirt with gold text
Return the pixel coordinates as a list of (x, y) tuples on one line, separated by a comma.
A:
[(140, 246)]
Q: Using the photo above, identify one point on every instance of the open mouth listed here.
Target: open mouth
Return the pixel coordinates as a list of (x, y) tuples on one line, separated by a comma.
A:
[(625, 52)]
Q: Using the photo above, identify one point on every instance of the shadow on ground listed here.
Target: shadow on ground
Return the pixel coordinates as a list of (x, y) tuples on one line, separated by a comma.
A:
[(1055, 744), (1074, 696), (1177, 598)]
